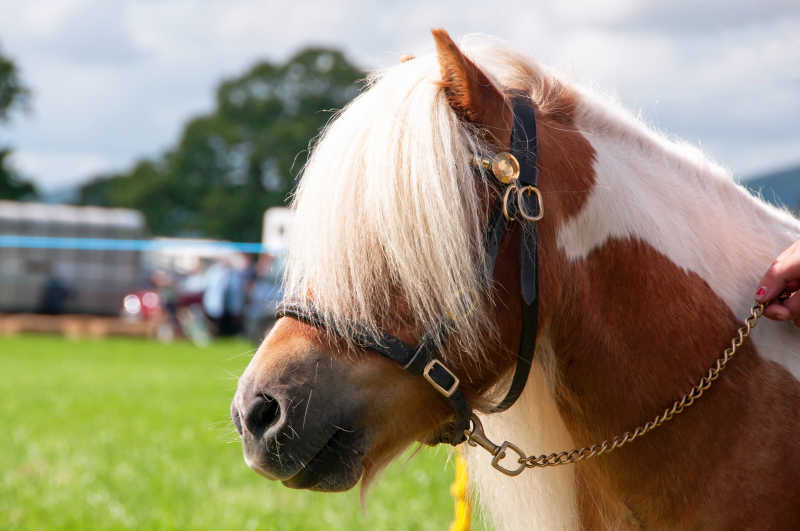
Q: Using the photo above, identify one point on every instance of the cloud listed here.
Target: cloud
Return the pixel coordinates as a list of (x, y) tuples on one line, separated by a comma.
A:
[(94, 33), (79, 33), (114, 81), (681, 17)]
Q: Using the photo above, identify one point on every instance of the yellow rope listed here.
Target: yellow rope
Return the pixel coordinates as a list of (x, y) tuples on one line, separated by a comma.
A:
[(463, 510)]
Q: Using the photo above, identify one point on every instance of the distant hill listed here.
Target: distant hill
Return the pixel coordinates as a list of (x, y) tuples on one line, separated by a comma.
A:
[(63, 195), (780, 187)]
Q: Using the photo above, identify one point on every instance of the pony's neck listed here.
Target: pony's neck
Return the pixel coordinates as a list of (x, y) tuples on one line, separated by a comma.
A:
[(654, 197), (668, 196), (662, 262)]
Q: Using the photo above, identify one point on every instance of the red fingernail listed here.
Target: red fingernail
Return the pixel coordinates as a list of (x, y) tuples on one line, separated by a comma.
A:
[(761, 291)]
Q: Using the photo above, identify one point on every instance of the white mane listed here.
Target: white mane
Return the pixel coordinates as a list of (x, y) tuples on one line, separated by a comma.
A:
[(388, 194), (388, 210), (390, 199)]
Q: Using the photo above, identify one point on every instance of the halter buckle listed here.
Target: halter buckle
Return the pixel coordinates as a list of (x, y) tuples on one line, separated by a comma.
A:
[(436, 365), (519, 209), (530, 189)]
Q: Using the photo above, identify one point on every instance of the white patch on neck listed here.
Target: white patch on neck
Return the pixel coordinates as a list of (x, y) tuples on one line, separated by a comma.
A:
[(542, 498), (668, 195)]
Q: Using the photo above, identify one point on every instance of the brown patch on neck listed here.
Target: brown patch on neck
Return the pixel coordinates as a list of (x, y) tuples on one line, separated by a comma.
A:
[(566, 160), (633, 332)]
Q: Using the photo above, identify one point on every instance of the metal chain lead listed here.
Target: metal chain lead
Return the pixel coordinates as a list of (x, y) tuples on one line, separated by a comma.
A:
[(476, 436)]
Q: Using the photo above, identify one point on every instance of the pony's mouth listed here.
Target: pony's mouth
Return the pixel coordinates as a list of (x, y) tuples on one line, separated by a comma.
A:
[(337, 466)]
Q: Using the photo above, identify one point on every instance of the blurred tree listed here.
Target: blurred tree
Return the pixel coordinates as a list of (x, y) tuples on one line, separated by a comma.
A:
[(11, 186), (13, 96), (231, 165)]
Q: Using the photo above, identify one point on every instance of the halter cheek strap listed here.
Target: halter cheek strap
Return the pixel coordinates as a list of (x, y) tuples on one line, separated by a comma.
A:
[(525, 149), (521, 201)]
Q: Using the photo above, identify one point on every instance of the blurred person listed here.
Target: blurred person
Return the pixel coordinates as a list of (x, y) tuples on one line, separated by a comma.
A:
[(164, 284), (235, 298), (265, 296), (54, 295), (224, 297), (193, 285), (214, 294)]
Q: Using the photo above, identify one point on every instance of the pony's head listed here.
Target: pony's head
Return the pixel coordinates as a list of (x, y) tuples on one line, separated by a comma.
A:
[(389, 226)]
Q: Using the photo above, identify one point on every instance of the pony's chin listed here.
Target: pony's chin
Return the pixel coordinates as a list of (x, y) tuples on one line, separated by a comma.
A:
[(310, 479), (336, 467)]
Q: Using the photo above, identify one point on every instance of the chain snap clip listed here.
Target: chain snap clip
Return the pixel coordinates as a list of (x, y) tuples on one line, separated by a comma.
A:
[(476, 437)]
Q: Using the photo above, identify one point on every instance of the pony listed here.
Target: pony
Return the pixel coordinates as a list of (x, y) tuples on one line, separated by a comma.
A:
[(649, 254)]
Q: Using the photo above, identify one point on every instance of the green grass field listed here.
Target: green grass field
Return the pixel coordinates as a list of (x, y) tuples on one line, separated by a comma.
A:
[(135, 434)]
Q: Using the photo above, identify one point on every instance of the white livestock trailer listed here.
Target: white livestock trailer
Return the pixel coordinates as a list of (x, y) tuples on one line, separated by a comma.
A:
[(91, 273)]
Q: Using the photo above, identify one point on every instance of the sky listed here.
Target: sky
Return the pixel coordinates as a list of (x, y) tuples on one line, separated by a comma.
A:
[(115, 80)]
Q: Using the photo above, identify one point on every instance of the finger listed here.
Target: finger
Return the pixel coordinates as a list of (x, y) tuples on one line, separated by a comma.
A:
[(793, 305), (785, 310), (770, 287), (777, 311), (784, 270)]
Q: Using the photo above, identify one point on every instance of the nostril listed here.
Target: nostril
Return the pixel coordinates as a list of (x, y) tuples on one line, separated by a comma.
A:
[(237, 417), (261, 413)]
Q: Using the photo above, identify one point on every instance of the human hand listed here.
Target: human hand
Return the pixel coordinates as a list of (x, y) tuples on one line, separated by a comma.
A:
[(782, 277)]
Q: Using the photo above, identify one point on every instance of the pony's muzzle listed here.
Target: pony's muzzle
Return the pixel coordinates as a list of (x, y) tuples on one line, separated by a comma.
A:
[(299, 421), (312, 418), (260, 419)]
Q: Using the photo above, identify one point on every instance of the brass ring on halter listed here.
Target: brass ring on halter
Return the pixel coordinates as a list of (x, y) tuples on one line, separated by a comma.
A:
[(510, 188), (521, 204)]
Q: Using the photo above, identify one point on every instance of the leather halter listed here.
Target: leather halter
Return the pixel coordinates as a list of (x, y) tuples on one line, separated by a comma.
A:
[(422, 360)]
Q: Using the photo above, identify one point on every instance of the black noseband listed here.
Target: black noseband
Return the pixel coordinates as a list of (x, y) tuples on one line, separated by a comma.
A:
[(527, 208)]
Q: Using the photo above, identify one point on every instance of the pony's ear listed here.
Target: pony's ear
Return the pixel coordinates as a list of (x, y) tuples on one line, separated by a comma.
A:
[(471, 94)]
